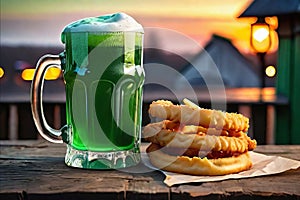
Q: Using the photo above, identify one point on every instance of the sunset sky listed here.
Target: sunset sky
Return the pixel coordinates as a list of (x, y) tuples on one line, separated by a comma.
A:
[(41, 22)]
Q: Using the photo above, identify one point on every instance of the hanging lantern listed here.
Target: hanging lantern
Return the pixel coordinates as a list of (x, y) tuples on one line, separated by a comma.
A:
[(260, 36)]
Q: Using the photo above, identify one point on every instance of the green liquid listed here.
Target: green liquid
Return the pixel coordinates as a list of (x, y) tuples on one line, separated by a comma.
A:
[(104, 77)]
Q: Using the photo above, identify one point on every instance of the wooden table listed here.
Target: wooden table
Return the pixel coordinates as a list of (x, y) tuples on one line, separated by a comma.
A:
[(36, 170)]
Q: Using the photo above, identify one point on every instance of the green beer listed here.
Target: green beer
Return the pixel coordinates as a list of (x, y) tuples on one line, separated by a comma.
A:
[(104, 77), (103, 72)]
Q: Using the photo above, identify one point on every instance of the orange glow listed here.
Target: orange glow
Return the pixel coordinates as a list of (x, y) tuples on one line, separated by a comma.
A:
[(1, 72), (196, 19), (27, 74), (52, 74), (272, 21), (260, 40)]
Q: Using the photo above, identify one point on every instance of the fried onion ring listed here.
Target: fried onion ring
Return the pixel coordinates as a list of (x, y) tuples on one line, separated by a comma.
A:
[(198, 116), (196, 165), (197, 153), (169, 138), (189, 129)]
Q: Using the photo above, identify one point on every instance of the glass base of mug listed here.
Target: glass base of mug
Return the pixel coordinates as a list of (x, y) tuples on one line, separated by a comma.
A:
[(102, 160)]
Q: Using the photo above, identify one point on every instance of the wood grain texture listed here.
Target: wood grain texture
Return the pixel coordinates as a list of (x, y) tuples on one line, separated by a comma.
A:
[(36, 170)]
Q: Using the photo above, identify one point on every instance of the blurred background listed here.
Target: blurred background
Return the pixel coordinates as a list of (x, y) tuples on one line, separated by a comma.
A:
[(223, 28)]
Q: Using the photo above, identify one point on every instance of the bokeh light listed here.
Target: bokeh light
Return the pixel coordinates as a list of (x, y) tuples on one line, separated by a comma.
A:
[(52, 74), (270, 71), (1, 72)]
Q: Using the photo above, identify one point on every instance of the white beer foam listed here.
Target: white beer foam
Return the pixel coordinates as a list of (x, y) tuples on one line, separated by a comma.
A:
[(107, 23)]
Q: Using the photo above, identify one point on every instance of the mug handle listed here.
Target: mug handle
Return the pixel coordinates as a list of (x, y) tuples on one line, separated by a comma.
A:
[(36, 97)]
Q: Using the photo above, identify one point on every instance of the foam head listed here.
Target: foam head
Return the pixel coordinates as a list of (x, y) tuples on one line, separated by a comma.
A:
[(117, 22)]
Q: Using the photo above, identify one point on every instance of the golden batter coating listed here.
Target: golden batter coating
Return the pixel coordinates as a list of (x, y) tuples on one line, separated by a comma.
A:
[(189, 129), (196, 165), (197, 141), (198, 116), (169, 138)]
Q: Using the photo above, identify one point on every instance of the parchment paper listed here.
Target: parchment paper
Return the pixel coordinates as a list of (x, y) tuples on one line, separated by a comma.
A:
[(262, 165)]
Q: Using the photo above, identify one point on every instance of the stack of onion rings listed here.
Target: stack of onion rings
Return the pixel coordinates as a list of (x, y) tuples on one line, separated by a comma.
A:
[(197, 141)]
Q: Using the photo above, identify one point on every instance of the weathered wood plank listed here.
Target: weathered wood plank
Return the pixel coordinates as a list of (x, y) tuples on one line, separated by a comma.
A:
[(288, 151), (285, 185), (141, 189), (30, 148), (36, 170)]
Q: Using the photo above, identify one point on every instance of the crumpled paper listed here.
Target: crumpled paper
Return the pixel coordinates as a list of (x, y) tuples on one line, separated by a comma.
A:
[(262, 165)]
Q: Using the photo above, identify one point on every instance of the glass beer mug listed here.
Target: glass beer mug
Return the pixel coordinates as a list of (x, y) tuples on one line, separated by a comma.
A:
[(103, 75)]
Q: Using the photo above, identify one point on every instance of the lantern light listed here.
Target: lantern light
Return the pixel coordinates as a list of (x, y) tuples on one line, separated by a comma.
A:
[(260, 36), (270, 71), (27, 74), (260, 42), (1, 72), (52, 73)]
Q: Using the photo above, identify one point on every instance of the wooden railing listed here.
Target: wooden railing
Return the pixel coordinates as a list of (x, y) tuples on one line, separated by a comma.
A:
[(260, 106)]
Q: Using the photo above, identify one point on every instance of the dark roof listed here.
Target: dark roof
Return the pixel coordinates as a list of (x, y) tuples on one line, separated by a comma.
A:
[(264, 8), (234, 68)]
